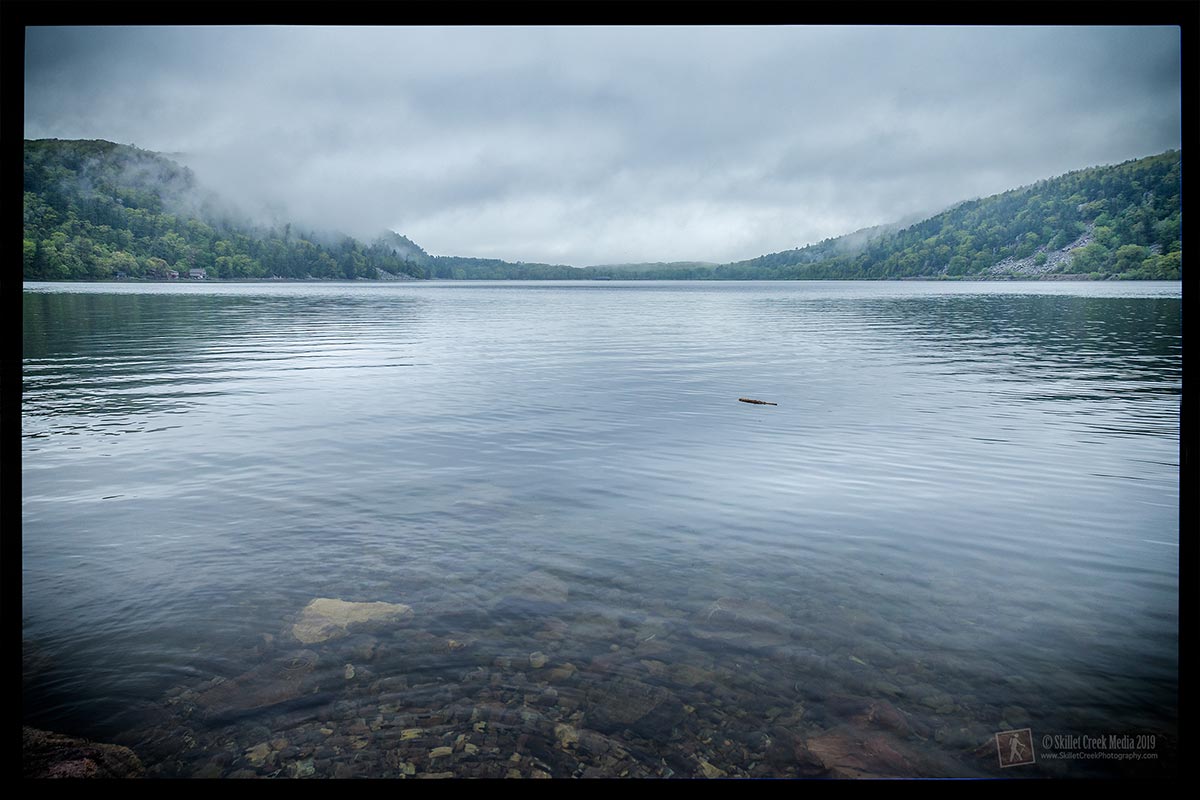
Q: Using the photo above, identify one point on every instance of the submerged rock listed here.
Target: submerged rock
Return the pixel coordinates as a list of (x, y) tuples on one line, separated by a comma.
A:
[(865, 712), (361, 647), (940, 702), (856, 754), (749, 624), (691, 676), (626, 703), (535, 593), (326, 618), (561, 674), (52, 755), (566, 735), (276, 682), (259, 754), (883, 714)]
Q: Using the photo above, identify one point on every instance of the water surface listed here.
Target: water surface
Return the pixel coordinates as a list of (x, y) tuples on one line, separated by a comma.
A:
[(961, 518)]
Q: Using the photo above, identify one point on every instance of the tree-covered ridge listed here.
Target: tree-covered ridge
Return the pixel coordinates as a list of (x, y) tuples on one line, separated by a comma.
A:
[(1119, 221), (95, 210)]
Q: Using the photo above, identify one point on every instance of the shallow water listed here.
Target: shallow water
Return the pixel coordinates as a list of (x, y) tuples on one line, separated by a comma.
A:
[(961, 518)]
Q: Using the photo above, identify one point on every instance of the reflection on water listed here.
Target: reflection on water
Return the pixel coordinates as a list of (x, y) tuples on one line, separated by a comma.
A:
[(960, 519)]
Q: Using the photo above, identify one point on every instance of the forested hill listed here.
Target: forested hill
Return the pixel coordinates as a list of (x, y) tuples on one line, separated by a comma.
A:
[(1119, 221), (96, 210)]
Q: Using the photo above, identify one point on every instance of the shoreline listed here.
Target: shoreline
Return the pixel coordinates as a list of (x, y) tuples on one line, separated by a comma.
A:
[(1073, 278)]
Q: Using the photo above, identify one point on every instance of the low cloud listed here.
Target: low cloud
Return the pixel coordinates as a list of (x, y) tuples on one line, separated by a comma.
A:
[(605, 145)]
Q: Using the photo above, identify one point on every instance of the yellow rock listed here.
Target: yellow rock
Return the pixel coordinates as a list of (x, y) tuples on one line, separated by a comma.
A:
[(326, 618), (653, 666), (258, 754), (710, 771), (566, 735), (439, 752), (561, 674)]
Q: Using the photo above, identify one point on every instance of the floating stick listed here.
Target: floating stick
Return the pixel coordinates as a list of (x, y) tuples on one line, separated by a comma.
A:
[(756, 402)]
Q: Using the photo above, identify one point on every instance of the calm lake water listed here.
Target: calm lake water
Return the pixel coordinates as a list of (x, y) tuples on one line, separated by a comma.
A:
[(960, 519)]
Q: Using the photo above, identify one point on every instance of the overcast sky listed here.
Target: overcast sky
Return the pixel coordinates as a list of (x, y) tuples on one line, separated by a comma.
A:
[(603, 145)]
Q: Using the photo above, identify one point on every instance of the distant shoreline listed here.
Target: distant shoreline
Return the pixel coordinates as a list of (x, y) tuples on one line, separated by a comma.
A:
[(1076, 278)]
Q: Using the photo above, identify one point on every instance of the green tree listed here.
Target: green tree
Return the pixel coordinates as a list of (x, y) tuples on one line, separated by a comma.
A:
[(29, 256), (1093, 258), (1129, 257)]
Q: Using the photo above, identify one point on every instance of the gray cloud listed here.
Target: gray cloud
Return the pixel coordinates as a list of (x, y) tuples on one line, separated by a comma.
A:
[(594, 145)]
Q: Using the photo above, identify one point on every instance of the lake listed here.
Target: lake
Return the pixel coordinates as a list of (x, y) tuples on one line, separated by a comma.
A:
[(962, 518)]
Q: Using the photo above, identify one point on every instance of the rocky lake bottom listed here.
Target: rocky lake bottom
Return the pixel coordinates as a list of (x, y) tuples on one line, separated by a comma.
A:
[(529, 687)]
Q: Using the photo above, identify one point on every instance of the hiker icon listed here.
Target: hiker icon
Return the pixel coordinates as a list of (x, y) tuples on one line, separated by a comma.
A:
[(1015, 747)]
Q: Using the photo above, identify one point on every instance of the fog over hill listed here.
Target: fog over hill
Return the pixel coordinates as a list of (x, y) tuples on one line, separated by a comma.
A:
[(610, 145), (98, 210)]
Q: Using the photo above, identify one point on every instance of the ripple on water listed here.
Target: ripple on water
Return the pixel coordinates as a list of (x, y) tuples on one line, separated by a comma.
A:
[(961, 516)]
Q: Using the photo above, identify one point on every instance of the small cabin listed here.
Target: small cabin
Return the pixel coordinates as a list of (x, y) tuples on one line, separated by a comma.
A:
[(197, 274)]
